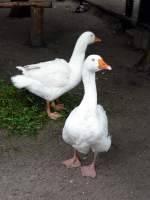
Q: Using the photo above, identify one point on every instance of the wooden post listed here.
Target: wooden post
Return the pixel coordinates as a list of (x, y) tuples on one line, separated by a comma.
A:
[(36, 35)]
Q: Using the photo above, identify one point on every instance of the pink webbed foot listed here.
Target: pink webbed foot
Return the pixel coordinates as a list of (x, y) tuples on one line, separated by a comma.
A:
[(54, 115), (71, 163), (88, 171)]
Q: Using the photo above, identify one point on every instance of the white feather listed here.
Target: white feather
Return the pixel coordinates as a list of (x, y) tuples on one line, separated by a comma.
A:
[(87, 127), (21, 81), (51, 79)]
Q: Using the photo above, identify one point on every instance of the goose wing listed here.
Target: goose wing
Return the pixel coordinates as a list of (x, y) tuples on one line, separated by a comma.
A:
[(55, 73)]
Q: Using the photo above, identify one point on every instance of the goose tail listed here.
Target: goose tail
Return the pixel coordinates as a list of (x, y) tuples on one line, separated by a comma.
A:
[(20, 81)]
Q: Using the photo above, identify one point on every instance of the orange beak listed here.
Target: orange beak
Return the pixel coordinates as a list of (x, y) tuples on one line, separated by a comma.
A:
[(97, 39), (103, 65)]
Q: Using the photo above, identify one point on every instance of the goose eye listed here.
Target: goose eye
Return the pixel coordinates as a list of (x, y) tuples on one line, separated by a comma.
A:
[(93, 59)]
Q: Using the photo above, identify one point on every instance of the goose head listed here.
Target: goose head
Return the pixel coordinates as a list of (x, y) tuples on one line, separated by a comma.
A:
[(89, 37), (83, 41), (96, 63)]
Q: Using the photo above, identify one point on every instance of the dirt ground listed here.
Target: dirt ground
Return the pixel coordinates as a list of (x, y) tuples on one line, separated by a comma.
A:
[(117, 6), (31, 169)]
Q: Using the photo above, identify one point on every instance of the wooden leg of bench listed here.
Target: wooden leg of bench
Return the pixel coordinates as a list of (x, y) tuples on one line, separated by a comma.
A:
[(36, 34)]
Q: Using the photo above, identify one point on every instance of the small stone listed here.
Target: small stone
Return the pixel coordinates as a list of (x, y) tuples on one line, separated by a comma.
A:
[(71, 181)]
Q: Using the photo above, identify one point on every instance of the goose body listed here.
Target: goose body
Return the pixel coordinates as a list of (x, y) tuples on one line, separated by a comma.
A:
[(86, 131), (49, 80), (86, 128)]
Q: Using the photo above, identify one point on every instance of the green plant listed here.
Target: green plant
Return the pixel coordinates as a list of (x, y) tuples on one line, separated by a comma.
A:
[(20, 112), (23, 113)]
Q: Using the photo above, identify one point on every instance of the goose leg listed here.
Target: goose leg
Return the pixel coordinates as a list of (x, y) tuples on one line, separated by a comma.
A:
[(89, 170), (59, 105), (52, 115), (73, 162)]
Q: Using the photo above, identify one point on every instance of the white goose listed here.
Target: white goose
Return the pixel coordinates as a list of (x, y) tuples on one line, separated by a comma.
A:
[(86, 128), (49, 80)]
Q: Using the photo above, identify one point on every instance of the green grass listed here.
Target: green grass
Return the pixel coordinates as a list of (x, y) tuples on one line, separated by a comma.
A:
[(22, 113)]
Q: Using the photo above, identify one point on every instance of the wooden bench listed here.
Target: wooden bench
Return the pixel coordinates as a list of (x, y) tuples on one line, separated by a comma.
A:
[(37, 10)]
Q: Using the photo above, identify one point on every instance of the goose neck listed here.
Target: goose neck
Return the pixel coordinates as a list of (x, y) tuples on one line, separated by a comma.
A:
[(78, 54), (89, 101)]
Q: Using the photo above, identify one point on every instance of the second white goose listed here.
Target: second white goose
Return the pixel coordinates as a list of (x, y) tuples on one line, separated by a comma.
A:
[(51, 79)]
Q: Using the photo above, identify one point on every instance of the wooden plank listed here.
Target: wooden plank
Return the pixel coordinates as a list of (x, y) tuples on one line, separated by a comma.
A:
[(13, 4), (32, 1), (39, 1), (36, 35), (21, 3), (5, 1)]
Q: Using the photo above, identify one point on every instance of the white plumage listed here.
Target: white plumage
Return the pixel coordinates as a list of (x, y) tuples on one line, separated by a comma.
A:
[(51, 79), (48, 80), (86, 128)]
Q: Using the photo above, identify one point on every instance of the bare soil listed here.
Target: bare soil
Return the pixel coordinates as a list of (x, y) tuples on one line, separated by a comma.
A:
[(30, 168)]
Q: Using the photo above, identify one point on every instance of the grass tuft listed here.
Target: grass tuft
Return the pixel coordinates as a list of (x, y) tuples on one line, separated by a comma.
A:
[(22, 113)]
